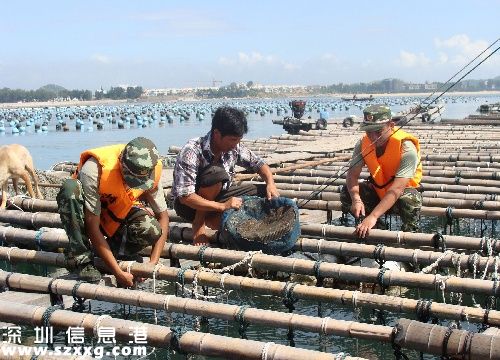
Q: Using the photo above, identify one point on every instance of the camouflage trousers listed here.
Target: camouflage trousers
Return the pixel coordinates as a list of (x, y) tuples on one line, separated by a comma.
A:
[(139, 229), (407, 206)]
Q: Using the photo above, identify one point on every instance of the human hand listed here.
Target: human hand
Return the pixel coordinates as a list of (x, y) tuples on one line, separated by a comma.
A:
[(271, 191), (233, 203), (125, 279), (358, 208), (363, 229)]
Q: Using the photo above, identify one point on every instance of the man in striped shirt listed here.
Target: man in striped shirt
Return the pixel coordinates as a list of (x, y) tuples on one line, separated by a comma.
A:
[(203, 175)]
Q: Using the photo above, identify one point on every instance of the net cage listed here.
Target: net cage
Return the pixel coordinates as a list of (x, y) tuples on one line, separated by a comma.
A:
[(272, 226)]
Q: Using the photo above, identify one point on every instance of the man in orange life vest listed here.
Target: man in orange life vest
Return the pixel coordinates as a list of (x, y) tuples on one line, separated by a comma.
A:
[(393, 160), (102, 208)]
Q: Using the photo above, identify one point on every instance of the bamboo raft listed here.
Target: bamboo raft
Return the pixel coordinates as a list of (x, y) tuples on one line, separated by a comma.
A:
[(460, 187)]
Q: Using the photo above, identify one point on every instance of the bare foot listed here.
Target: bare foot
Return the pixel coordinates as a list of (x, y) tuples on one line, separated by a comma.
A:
[(201, 239)]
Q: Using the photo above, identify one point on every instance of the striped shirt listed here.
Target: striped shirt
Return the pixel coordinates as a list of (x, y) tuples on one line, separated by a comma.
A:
[(197, 155)]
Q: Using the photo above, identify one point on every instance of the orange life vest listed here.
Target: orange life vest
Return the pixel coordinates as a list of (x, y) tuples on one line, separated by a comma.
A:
[(116, 198), (383, 169)]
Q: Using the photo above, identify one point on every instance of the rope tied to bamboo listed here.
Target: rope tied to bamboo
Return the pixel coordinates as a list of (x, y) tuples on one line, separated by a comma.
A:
[(439, 242), (449, 217), (380, 279), (378, 255), (478, 205), (55, 299), (48, 313), (435, 265), (289, 300), (398, 353), (446, 338), (265, 350), (79, 302), (4, 233), (38, 238), (240, 318), (7, 278), (97, 324), (440, 282), (201, 255), (467, 344), (180, 278), (175, 339), (423, 310)]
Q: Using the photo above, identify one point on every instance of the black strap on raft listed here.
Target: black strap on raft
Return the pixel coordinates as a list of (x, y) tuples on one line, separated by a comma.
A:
[(423, 310), (181, 280), (316, 269), (439, 242), (380, 279), (243, 324), (7, 283), (398, 353), (378, 255), (175, 340), (467, 345), (289, 299), (449, 219), (201, 255), (478, 205), (55, 299), (446, 338), (79, 304), (48, 313), (484, 227)]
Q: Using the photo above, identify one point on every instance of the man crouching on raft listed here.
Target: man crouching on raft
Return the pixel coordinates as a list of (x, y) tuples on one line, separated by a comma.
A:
[(202, 188), (393, 160)]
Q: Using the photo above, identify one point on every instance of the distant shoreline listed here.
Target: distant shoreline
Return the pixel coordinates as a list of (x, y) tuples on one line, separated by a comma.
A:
[(153, 99)]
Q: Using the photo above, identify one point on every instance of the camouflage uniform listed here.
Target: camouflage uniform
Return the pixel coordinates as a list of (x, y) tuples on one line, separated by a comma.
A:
[(407, 206), (139, 229), (409, 203)]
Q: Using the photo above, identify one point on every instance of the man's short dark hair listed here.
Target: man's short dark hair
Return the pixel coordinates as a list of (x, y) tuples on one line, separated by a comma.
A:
[(230, 121)]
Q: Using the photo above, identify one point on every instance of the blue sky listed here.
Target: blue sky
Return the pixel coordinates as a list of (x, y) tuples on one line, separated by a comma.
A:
[(157, 44)]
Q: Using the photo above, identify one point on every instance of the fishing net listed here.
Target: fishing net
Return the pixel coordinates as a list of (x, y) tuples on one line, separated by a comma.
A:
[(269, 225)]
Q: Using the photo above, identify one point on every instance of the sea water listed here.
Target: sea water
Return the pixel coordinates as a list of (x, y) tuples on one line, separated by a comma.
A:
[(51, 147)]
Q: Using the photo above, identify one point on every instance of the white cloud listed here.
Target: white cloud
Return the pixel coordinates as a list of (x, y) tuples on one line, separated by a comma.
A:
[(100, 58), (256, 59), (408, 59), (459, 49)]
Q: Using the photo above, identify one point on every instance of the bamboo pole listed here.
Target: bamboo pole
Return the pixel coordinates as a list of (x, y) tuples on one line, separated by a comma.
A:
[(12, 351), (47, 219), (398, 238), (348, 298), (57, 239), (329, 181), (438, 340), (158, 336), (277, 319), (240, 177), (426, 201), (430, 179)]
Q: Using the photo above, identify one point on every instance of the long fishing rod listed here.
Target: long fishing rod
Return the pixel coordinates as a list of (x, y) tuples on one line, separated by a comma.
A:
[(352, 164)]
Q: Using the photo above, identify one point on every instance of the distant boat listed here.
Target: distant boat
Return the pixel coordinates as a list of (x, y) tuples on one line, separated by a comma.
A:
[(358, 98)]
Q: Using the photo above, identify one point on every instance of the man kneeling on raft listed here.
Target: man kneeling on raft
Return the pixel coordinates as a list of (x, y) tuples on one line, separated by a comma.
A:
[(202, 188)]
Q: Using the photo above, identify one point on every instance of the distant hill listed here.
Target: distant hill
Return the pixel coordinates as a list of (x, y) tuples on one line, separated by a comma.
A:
[(53, 88)]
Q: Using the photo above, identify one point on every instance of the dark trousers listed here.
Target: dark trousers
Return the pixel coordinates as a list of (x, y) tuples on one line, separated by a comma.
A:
[(407, 206)]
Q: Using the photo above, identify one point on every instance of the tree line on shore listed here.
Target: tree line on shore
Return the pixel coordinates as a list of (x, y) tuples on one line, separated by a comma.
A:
[(233, 90), (53, 92)]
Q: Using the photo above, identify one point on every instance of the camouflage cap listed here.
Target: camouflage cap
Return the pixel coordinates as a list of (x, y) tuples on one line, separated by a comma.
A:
[(138, 159), (375, 117)]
